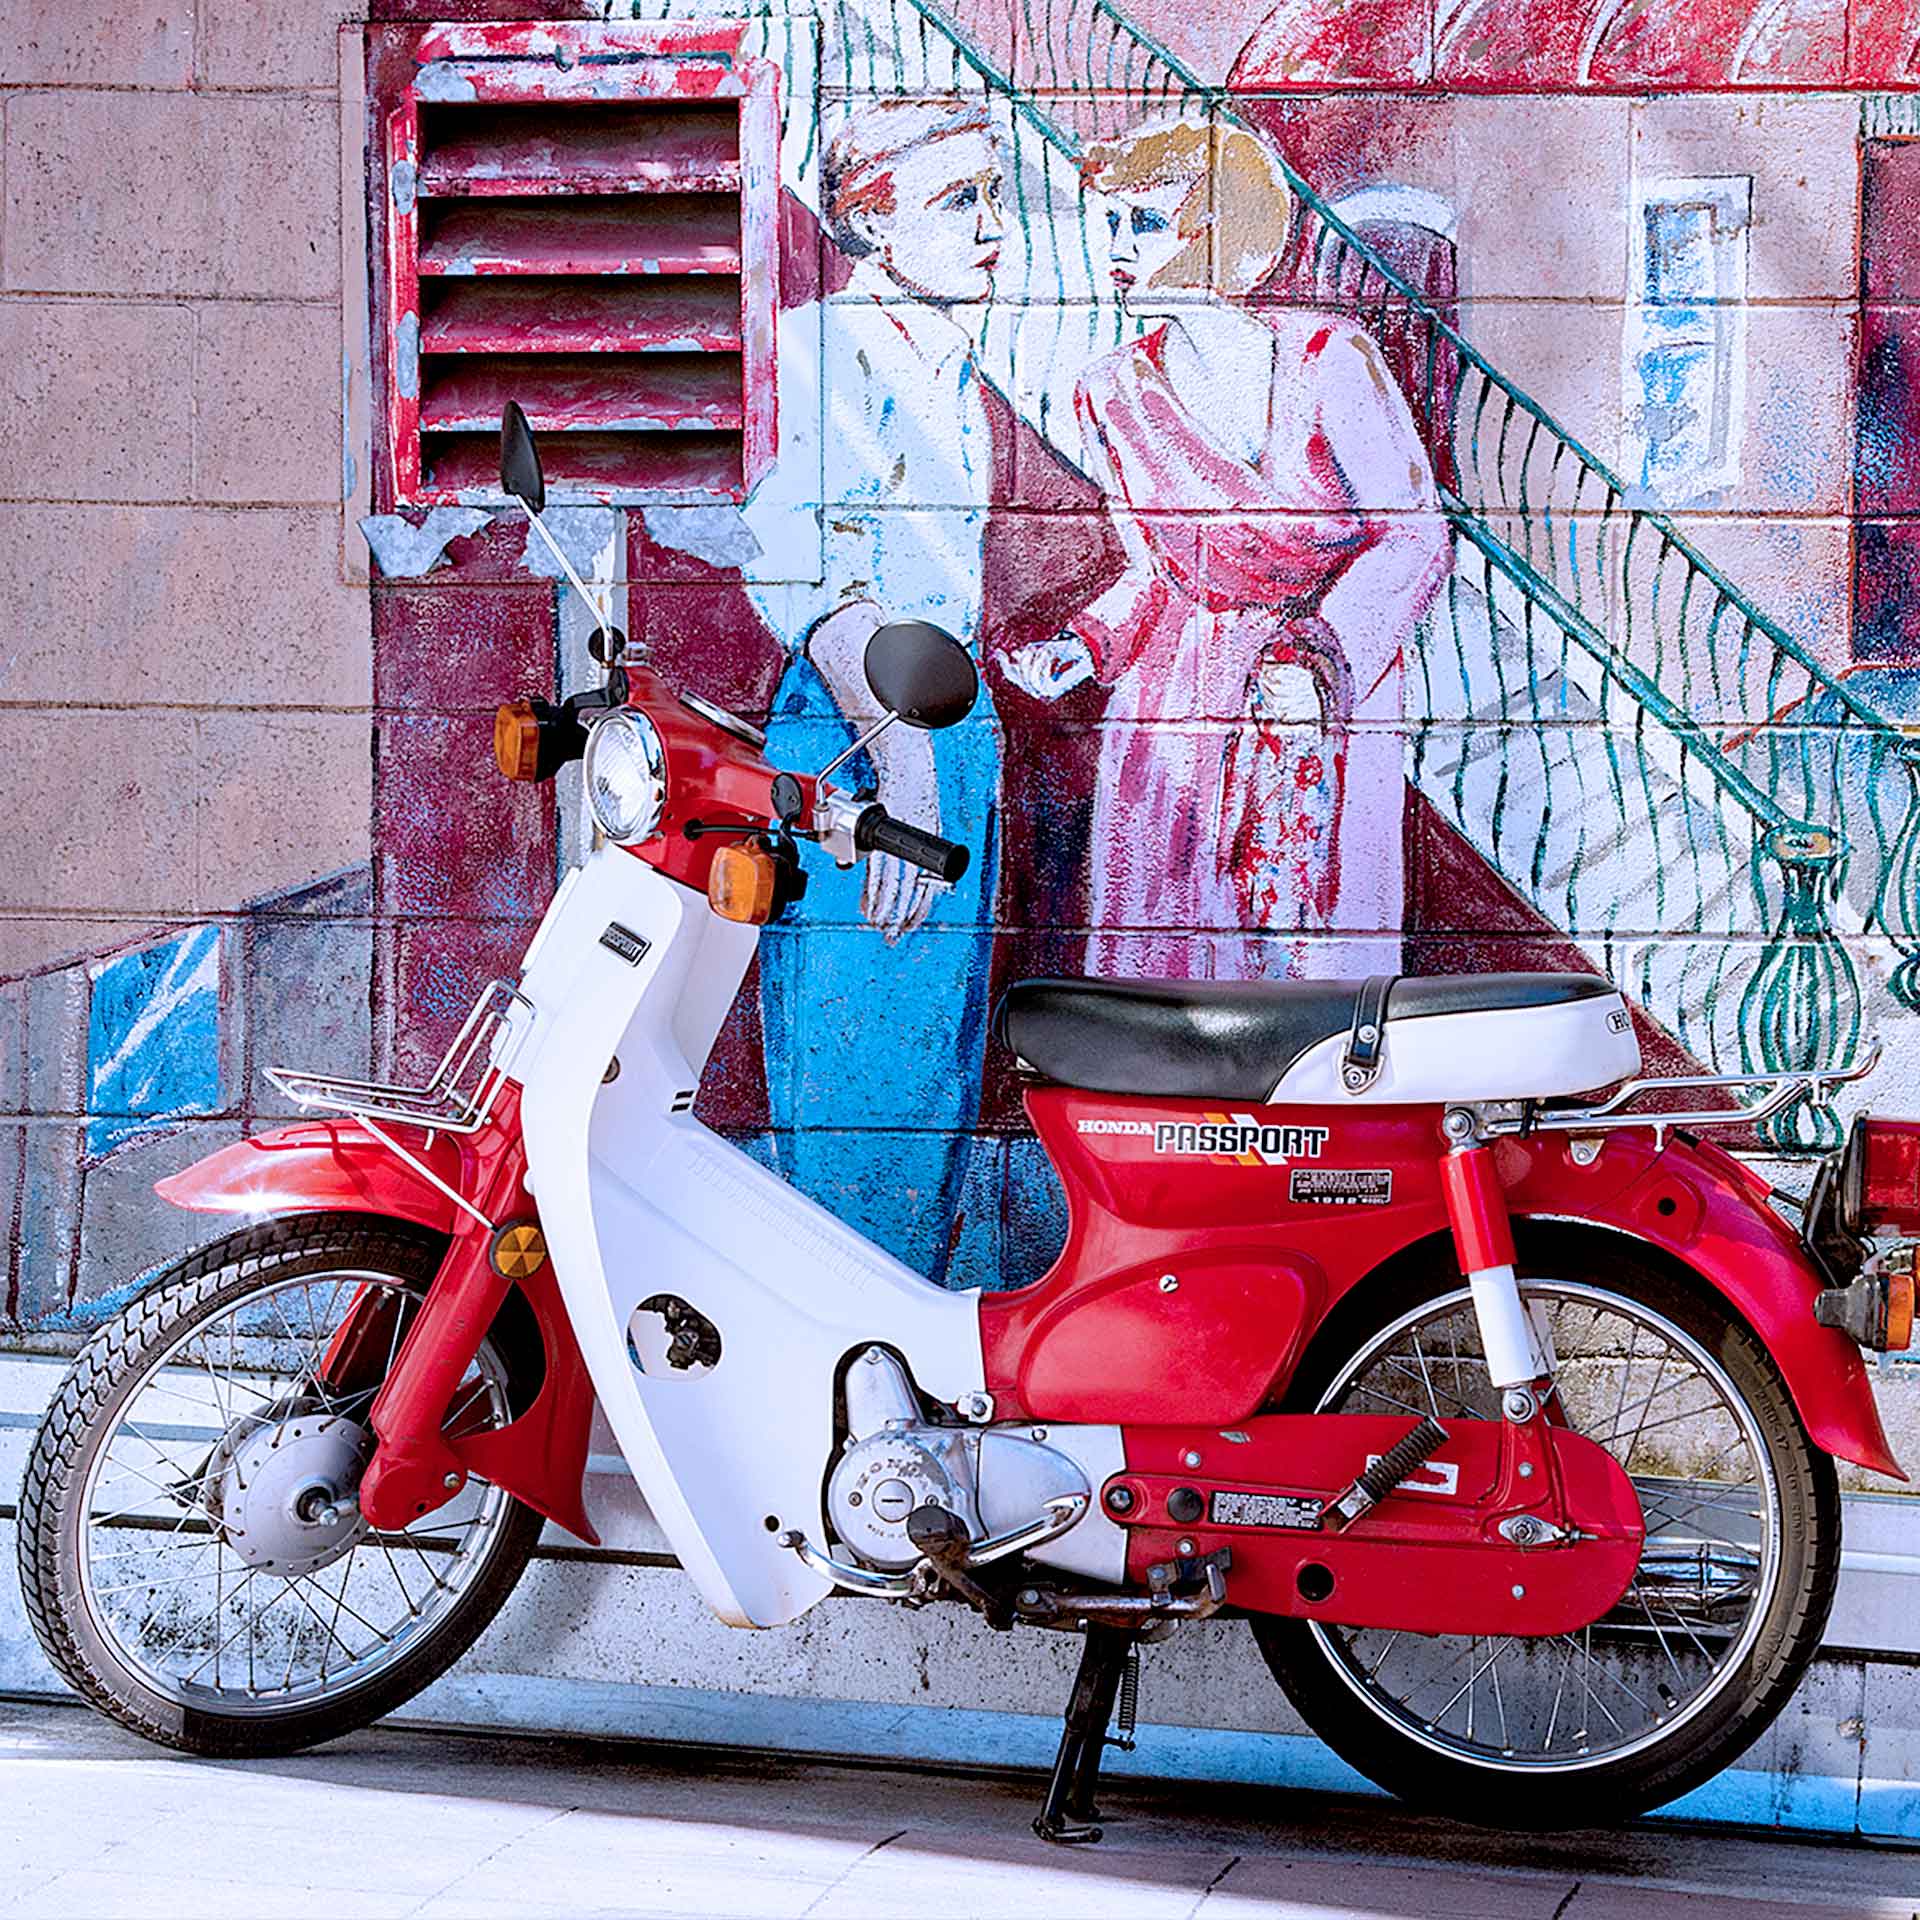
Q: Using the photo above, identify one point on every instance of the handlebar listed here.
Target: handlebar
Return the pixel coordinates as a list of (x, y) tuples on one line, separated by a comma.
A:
[(877, 831)]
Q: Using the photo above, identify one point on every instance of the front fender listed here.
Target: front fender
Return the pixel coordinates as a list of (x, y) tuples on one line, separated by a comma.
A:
[(1708, 1214), (318, 1167)]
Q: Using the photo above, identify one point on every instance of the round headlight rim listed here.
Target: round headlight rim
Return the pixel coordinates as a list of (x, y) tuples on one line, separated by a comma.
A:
[(638, 726)]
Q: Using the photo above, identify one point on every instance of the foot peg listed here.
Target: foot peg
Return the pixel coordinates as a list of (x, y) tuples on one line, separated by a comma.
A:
[(1402, 1459)]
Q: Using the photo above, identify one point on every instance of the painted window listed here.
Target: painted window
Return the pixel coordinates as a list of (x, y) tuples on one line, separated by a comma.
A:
[(1686, 335), (583, 219)]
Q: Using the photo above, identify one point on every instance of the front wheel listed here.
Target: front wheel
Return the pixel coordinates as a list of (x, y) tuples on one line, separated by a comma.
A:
[(1723, 1614), (192, 1553)]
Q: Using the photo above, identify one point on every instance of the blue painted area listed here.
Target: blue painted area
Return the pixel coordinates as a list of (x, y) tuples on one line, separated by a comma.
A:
[(874, 1051), (955, 1736), (153, 1038)]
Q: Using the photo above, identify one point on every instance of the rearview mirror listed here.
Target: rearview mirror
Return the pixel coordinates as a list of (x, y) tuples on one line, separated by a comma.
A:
[(520, 473), (922, 673)]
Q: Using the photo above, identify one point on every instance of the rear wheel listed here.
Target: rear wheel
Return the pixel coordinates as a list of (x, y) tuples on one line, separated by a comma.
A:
[(191, 1548), (1724, 1612)]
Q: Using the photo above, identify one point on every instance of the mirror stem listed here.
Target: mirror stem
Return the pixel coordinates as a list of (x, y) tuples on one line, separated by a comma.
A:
[(603, 617), (841, 758)]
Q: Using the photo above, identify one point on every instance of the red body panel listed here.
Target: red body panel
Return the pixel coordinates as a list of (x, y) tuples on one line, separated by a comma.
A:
[(540, 1456), (711, 776), (1429, 1558), (1264, 1254)]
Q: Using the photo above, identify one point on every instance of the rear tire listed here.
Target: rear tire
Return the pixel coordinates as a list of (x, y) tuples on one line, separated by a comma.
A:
[(68, 1581), (1782, 1528)]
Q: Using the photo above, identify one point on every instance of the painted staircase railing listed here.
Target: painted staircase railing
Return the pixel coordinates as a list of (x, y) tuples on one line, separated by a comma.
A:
[(1651, 761)]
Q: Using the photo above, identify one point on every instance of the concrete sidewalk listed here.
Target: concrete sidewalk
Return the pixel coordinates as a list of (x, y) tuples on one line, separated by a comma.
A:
[(94, 1823)]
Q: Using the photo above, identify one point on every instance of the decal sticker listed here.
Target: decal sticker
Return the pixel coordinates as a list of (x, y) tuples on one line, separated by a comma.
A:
[(625, 942), (1618, 1021), (1434, 1476), (1341, 1186), (1115, 1126), (1240, 1139), (1265, 1510)]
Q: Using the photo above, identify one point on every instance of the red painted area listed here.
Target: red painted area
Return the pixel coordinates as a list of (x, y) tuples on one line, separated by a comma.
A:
[(575, 316), (1076, 1345), (1424, 1560), (1552, 46), (535, 150), (642, 234), (663, 393)]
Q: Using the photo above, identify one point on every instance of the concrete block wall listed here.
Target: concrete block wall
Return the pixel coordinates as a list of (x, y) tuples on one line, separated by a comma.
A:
[(249, 758)]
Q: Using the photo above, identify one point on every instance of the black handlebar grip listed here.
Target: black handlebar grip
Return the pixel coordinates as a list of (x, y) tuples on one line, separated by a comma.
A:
[(879, 832)]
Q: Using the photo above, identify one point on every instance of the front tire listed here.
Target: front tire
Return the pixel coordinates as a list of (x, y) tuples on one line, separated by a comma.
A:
[(1725, 1611), (190, 1541)]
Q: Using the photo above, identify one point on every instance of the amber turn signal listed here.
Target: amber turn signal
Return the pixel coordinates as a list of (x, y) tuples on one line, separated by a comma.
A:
[(516, 740), (741, 884), (1900, 1289)]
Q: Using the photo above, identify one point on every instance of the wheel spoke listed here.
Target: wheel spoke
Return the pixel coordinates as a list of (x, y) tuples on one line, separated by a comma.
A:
[(242, 1388), (1631, 1380)]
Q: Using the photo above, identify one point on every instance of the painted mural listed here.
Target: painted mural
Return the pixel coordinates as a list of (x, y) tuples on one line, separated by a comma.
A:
[(1429, 486)]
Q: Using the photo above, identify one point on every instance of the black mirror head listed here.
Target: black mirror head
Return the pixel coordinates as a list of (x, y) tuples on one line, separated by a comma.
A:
[(520, 473), (922, 673)]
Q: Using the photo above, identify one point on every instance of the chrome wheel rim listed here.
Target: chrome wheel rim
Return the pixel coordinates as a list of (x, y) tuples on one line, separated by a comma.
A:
[(1630, 1379), (159, 1569)]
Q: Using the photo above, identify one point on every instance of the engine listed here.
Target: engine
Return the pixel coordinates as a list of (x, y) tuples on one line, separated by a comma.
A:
[(894, 1460)]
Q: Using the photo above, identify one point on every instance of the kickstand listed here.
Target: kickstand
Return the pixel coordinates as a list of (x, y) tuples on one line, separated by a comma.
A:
[(1108, 1671)]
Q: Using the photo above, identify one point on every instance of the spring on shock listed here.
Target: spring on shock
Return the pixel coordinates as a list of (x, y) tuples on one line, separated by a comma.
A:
[(1129, 1708)]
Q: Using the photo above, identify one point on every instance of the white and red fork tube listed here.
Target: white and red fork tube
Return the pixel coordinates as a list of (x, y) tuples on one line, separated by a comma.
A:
[(1483, 1239)]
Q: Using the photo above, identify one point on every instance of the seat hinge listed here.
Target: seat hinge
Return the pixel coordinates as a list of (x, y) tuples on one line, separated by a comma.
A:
[(1367, 1041)]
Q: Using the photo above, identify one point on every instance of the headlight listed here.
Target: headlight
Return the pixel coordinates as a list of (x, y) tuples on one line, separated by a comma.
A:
[(626, 773)]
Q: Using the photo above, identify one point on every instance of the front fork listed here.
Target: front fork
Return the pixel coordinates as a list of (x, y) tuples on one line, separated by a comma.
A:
[(1483, 1242)]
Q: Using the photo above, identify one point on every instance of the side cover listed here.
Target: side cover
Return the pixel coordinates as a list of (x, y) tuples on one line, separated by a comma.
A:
[(1208, 1242)]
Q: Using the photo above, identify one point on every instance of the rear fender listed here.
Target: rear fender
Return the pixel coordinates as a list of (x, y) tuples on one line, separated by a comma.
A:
[(318, 1167), (1710, 1217)]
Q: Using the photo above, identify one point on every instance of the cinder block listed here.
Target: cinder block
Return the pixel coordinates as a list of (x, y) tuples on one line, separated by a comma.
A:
[(111, 801), (306, 989), (127, 1230), (164, 193), (282, 799), (100, 399), (275, 437), (48, 1210), (77, 46), (272, 43), (197, 606)]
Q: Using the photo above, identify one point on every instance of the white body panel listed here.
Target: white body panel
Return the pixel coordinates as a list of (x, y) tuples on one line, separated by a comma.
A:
[(637, 1199), (1505, 1053)]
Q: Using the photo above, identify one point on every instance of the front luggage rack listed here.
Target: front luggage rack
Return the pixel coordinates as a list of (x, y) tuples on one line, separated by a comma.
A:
[(460, 1095), (458, 1099)]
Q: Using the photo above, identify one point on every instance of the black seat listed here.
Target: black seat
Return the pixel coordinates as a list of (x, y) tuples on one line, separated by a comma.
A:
[(1230, 1041)]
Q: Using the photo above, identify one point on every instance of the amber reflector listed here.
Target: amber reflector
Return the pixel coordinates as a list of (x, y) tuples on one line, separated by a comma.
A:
[(1900, 1312), (516, 741), (740, 884)]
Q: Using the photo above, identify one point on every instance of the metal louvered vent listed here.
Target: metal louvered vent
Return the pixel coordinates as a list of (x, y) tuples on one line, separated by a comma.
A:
[(583, 220)]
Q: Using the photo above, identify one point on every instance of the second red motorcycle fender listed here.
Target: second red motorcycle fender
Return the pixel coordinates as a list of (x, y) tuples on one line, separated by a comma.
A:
[(1430, 1558), (1245, 1226)]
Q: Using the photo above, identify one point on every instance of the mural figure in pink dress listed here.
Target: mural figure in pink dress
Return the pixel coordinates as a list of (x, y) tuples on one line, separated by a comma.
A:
[(1283, 539)]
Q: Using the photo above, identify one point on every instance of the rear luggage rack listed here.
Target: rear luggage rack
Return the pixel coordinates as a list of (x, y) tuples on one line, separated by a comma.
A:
[(1783, 1089)]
